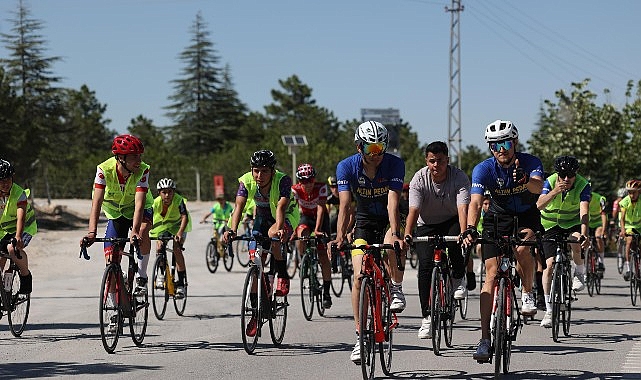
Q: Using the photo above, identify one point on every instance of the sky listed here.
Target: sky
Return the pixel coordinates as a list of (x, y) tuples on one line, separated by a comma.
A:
[(353, 54)]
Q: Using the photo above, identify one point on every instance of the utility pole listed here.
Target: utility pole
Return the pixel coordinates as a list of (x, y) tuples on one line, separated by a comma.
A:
[(454, 109)]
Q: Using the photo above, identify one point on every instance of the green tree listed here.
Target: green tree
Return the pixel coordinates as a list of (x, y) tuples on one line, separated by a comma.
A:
[(471, 155)]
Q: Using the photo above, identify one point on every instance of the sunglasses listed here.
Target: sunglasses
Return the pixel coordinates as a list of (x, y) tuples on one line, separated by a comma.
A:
[(374, 149), (496, 146), (565, 175)]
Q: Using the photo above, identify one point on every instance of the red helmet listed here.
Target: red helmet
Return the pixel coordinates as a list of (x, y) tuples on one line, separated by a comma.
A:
[(305, 171), (127, 144)]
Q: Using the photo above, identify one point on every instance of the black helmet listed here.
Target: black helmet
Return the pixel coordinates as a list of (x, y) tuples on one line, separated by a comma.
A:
[(567, 165), (6, 169), (265, 158)]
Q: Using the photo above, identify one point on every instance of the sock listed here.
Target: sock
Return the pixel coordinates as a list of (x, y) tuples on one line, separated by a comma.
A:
[(397, 284), (142, 266), (548, 304)]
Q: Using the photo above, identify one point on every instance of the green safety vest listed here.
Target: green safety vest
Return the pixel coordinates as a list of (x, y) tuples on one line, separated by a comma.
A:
[(632, 213), (116, 202), (10, 214), (595, 209), (220, 213), (172, 219), (564, 211), (291, 213)]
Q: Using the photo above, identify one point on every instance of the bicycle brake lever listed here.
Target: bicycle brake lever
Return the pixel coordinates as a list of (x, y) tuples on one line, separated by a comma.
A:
[(83, 249), (15, 250)]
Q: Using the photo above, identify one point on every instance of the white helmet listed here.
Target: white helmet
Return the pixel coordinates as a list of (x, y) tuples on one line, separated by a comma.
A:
[(371, 132), (166, 183), (501, 130)]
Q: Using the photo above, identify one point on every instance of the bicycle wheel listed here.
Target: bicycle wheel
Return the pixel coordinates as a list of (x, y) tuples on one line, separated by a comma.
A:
[(338, 279), (634, 286), (511, 325), (241, 250), (228, 259), (292, 259), (278, 321), (413, 259), (462, 306), (435, 309), (387, 320), (567, 309), (620, 252), (556, 298), (139, 318), (19, 307), (159, 294), (367, 341), (110, 307), (211, 256), (306, 287), (317, 286), (590, 272), (180, 303), (448, 310), (500, 328), (250, 310)]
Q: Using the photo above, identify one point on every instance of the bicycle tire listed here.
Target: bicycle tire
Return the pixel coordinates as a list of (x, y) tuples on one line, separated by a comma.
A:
[(556, 298), (620, 251), (634, 286), (293, 260), (413, 259), (278, 322), (435, 310), (567, 310), (108, 312), (228, 260), (462, 306), (500, 328), (249, 311), (338, 279), (19, 307), (318, 288), (159, 293), (306, 288), (211, 256), (367, 341), (512, 325), (449, 311), (385, 347), (138, 320), (590, 269), (241, 250), (179, 303)]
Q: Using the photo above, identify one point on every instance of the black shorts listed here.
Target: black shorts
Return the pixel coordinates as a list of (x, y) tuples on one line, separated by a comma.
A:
[(311, 223), (549, 248), (505, 225), (373, 232)]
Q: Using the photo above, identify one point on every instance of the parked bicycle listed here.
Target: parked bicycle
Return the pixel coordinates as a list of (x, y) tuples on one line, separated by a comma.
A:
[(593, 275), (311, 283), (260, 304), (117, 300), (215, 250), (12, 303), (376, 320), (164, 281)]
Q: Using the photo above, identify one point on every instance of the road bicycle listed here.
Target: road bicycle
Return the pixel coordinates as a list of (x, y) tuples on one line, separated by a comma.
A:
[(311, 283), (117, 300), (292, 259), (13, 304), (260, 304), (241, 247), (442, 303), (377, 321), (164, 281), (620, 254), (342, 272), (215, 250), (593, 275), (635, 268)]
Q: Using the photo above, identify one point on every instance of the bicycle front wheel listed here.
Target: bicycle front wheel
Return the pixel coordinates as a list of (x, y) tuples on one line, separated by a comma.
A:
[(19, 307), (620, 255), (250, 316), (385, 347), (278, 321), (241, 250), (449, 312), (500, 328), (139, 318), (228, 260), (109, 306), (567, 309), (556, 298), (436, 300), (413, 259), (292, 260), (634, 280), (211, 256), (590, 272), (338, 279), (367, 341), (159, 294), (306, 287), (181, 303)]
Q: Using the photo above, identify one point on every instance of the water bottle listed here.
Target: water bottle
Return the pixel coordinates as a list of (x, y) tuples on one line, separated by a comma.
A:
[(8, 280)]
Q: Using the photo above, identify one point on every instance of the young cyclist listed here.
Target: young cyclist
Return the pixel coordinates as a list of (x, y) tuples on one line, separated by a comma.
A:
[(221, 211), (171, 216), (629, 218), (121, 190), (311, 197), (276, 214), (18, 221)]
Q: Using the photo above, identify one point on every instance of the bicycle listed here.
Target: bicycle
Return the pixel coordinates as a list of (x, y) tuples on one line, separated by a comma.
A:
[(215, 250), (260, 304), (593, 275), (292, 259), (442, 304), (377, 321), (164, 281), (342, 272), (635, 268), (241, 247), (123, 303), (311, 287), (620, 254), (14, 304)]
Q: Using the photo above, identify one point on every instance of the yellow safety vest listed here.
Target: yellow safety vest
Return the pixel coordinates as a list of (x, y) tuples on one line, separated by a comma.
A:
[(117, 202)]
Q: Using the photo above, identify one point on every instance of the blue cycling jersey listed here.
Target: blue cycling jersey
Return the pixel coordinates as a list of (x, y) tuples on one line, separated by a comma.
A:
[(508, 197), (370, 194)]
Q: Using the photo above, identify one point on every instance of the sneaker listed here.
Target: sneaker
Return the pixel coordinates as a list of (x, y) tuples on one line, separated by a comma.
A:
[(180, 291), (540, 301), (252, 327), (482, 353), (113, 324), (471, 280), (355, 356), (578, 283), (529, 304), (282, 287), (398, 299), (425, 332), (141, 287), (626, 275), (547, 320), (160, 281), (327, 301), (460, 293), (601, 267)]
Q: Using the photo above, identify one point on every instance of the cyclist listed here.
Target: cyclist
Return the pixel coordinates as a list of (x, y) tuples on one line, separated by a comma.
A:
[(598, 226), (514, 180), (629, 219), (17, 220), (439, 195), (221, 211), (275, 214), (121, 190), (564, 205), (311, 197), (375, 179), (171, 216)]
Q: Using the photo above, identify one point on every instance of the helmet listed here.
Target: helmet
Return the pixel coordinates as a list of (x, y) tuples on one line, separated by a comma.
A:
[(621, 192), (331, 181), (6, 169), (264, 158), (633, 184), (566, 165), (501, 130), (166, 183), (127, 144), (305, 171), (371, 132)]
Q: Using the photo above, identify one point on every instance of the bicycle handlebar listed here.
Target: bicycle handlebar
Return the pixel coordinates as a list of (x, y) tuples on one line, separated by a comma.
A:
[(436, 239), (376, 246), (319, 239), (16, 251), (135, 245)]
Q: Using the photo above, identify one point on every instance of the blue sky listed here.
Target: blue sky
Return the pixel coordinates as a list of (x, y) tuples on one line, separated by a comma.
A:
[(353, 53)]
